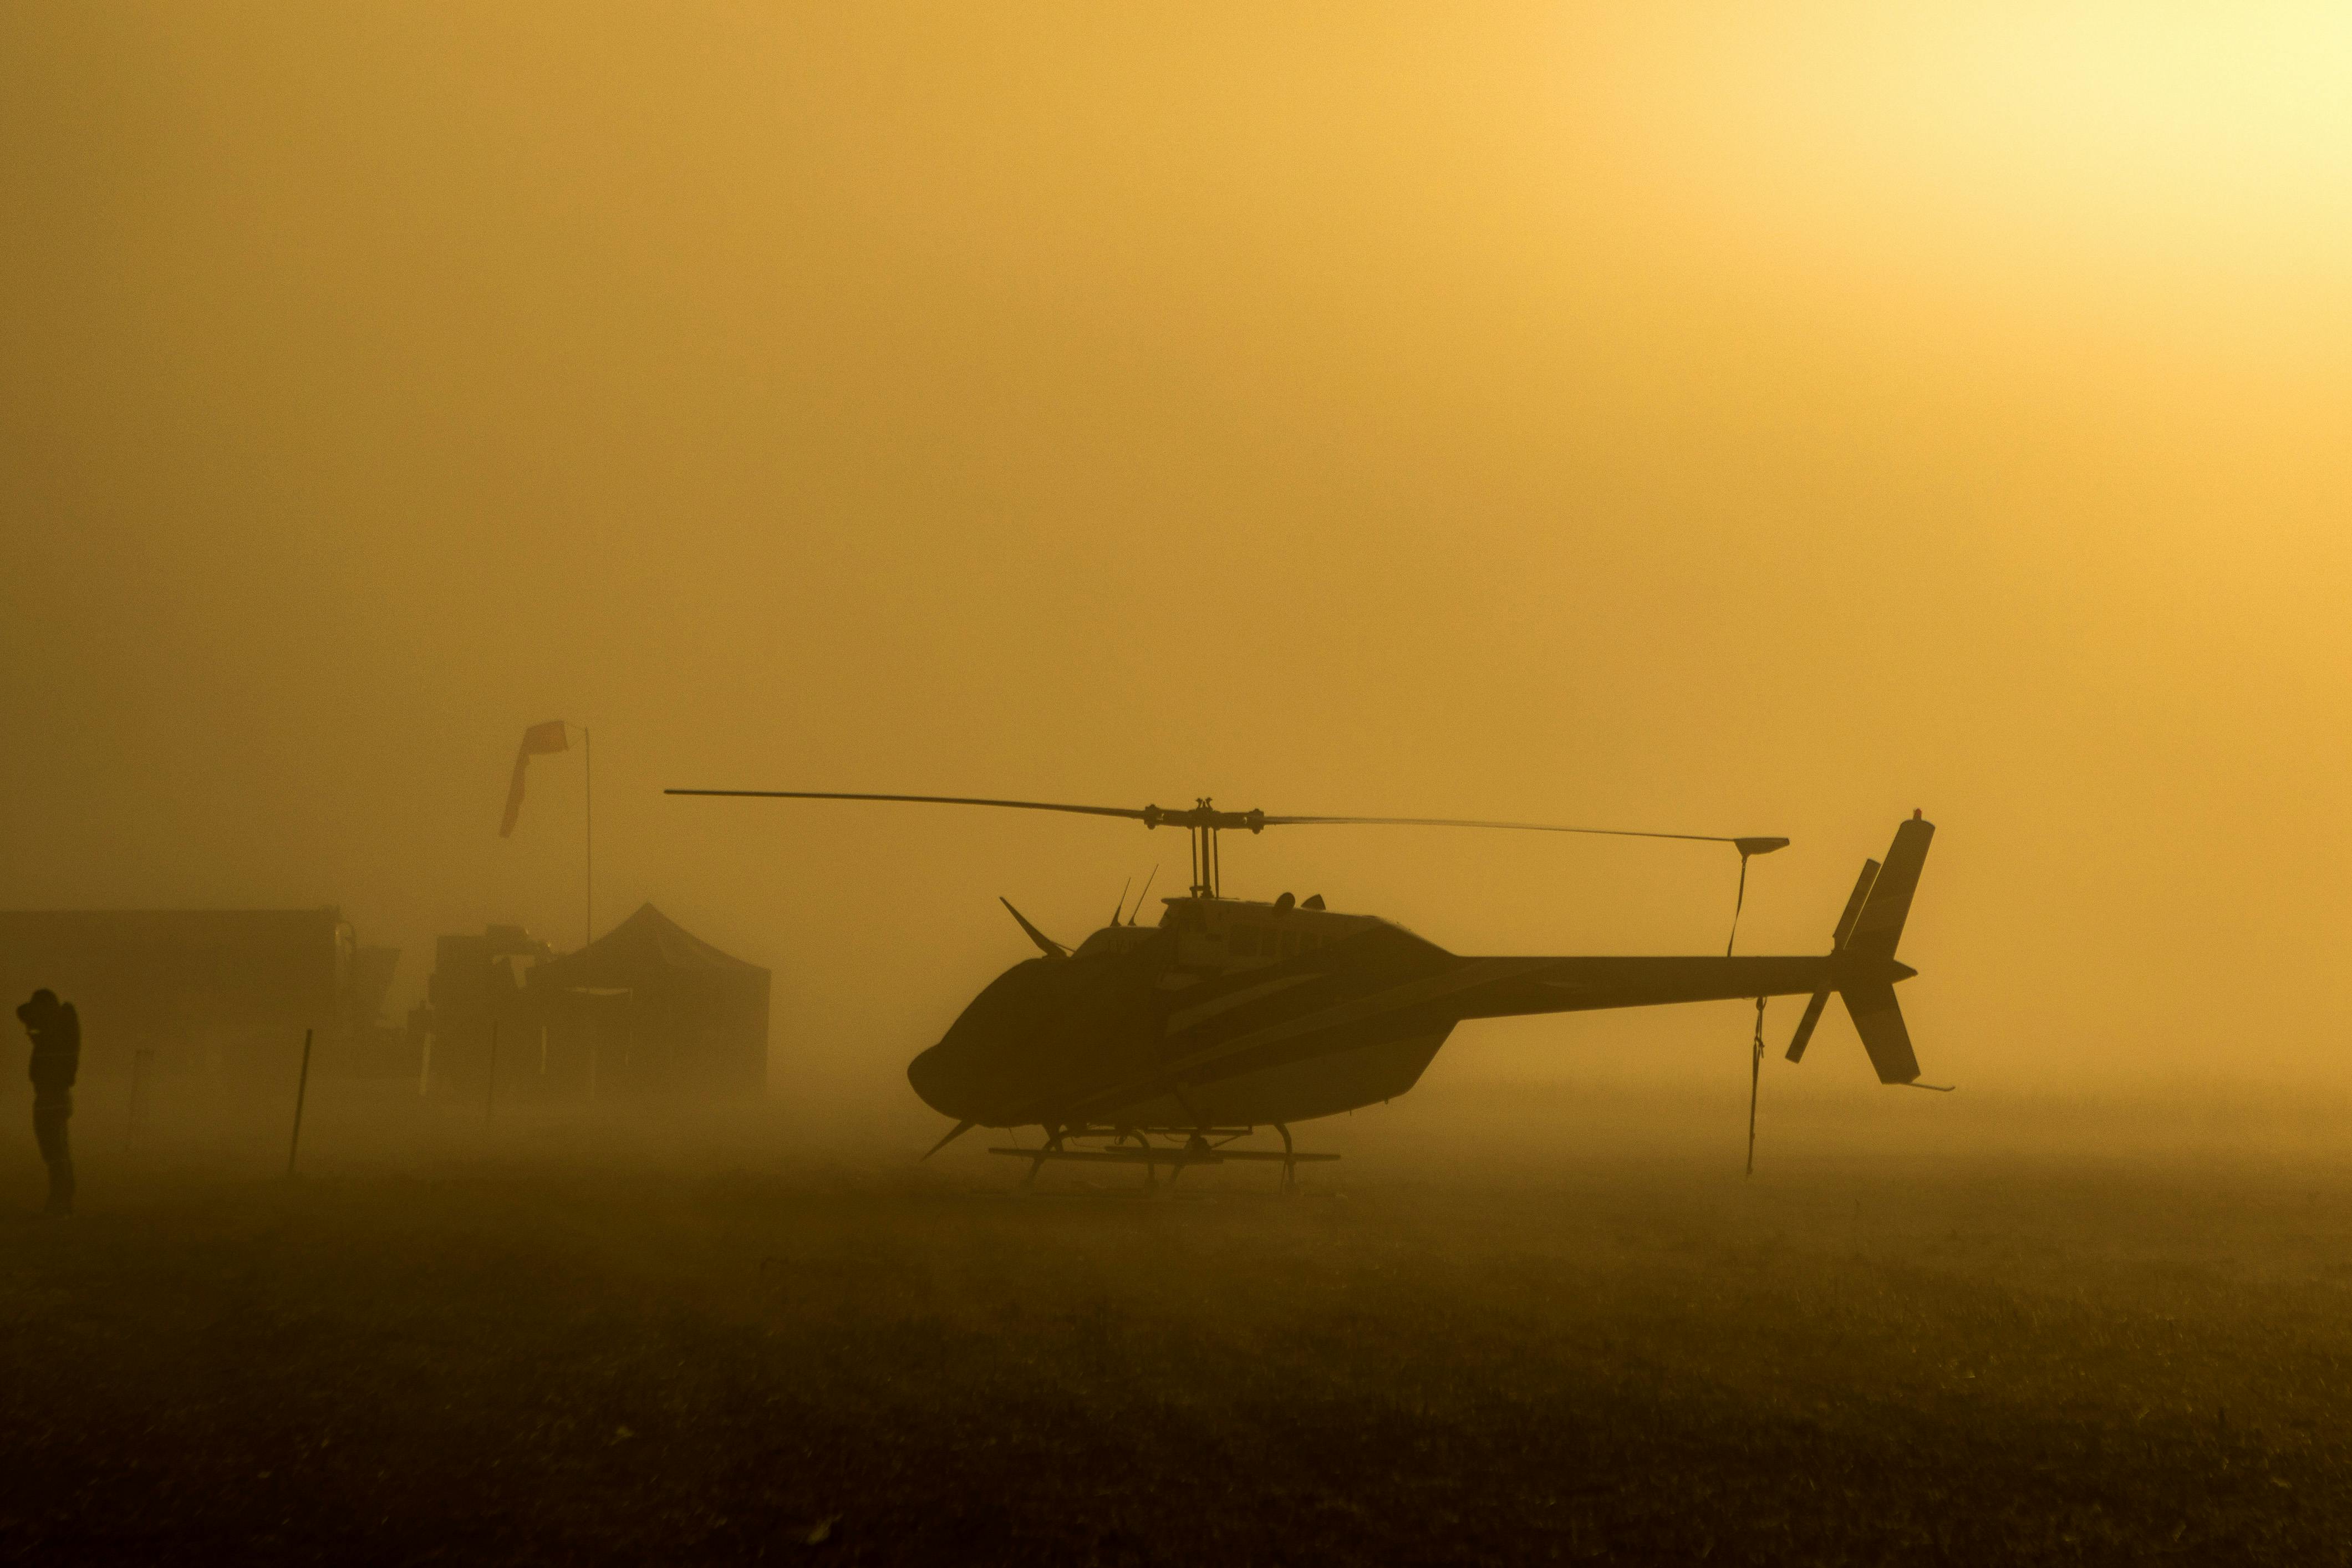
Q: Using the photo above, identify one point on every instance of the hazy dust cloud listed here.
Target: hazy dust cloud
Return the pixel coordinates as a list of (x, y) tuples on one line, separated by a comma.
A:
[(1764, 421), (1764, 424)]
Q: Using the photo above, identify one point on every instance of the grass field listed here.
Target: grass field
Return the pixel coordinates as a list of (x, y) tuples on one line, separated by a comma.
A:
[(570, 1350)]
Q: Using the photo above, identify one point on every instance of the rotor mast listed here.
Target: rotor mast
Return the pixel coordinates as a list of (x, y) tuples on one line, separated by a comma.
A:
[(1204, 822)]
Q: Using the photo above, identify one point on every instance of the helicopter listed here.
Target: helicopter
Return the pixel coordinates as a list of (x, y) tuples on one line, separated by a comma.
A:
[(1165, 1045)]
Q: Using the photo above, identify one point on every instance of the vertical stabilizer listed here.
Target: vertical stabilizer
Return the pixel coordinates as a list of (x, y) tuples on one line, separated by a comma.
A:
[(1878, 1019), (1862, 966), (1880, 926)]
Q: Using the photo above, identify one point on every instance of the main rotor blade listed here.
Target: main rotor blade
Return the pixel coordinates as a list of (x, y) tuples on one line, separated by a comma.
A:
[(1747, 846), (1204, 815), (919, 799)]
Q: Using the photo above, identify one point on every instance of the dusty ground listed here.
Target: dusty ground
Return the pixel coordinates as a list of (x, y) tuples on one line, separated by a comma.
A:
[(558, 1350)]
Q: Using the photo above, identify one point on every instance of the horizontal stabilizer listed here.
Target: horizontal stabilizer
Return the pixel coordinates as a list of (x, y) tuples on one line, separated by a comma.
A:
[(1878, 1019)]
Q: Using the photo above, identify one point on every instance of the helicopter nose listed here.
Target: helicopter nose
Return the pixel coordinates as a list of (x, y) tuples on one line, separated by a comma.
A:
[(936, 1078), (979, 1061)]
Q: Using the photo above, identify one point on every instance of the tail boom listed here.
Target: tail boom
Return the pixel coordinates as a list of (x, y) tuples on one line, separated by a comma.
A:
[(1861, 967), (1589, 984)]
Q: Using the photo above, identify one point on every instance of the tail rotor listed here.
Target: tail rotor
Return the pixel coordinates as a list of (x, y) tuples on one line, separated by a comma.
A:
[(1821, 999)]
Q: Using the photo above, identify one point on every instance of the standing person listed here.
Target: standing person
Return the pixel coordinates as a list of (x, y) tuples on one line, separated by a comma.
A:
[(56, 1030)]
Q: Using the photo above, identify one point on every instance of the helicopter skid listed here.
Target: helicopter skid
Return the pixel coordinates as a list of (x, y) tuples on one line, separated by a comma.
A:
[(1172, 1156), (1196, 1149)]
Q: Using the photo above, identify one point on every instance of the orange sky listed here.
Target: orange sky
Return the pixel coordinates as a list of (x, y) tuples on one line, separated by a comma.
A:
[(1766, 420)]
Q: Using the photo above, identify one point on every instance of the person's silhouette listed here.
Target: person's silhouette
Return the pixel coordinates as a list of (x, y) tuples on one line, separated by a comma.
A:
[(56, 1030)]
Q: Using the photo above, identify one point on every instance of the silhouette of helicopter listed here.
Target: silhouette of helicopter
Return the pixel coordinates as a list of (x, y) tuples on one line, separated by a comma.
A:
[(1233, 1015)]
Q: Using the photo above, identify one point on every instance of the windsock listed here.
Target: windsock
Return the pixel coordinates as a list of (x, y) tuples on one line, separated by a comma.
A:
[(538, 739)]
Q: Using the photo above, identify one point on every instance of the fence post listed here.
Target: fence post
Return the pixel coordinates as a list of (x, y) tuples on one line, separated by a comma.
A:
[(131, 1122), (302, 1088)]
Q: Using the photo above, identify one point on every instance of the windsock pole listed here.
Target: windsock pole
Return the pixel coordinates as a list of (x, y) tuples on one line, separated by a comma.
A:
[(588, 828)]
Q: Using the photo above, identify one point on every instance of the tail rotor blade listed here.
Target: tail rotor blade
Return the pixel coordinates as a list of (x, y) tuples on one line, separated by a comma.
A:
[(1855, 900), (1804, 1034)]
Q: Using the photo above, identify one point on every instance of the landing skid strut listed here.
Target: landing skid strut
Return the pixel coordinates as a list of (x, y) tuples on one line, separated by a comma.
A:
[(1198, 1146)]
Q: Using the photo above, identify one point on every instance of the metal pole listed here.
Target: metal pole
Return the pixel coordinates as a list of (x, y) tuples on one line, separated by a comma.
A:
[(491, 1095), (302, 1088), (588, 826), (1739, 901), (131, 1122), (1754, 1081)]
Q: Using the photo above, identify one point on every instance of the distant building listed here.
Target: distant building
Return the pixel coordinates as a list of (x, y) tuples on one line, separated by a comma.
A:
[(646, 1011), (475, 1002), (222, 992)]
